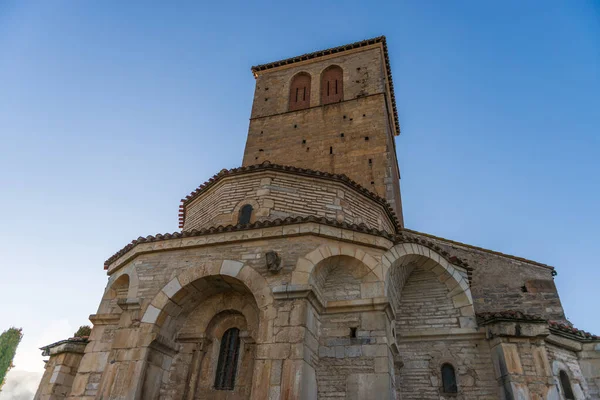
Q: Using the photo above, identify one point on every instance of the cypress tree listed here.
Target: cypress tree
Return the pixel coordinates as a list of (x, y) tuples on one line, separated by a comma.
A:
[(9, 340)]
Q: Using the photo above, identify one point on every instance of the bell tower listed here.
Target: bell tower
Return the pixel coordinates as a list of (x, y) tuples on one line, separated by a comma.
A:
[(333, 111)]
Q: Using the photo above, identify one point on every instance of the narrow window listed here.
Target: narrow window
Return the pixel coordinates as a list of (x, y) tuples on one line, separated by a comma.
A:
[(449, 379), (228, 358), (299, 92), (566, 385), (245, 214), (332, 87)]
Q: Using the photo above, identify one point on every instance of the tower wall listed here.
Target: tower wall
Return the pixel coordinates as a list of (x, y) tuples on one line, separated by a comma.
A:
[(354, 137)]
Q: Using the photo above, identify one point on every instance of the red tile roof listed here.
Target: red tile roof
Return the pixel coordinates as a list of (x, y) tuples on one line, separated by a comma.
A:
[(558, 327), (485, 318), (334, 50)]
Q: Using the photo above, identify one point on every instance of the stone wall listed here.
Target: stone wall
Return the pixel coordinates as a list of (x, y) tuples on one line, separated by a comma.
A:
[(498, 282), (420, 377), (424, 304), (279, 195), (353, 137)]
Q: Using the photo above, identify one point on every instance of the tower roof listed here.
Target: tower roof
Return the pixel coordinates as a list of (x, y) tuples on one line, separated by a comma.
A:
[(340, 49)]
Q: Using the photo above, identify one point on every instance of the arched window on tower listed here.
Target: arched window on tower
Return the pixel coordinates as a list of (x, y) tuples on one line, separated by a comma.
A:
[(332, 87), (245, 214), (300, 92), (449, 379), (566, 386), (228, 359)]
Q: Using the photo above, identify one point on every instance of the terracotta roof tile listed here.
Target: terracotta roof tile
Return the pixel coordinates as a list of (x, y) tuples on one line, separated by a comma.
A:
[(559, 327), (507, 315), (339, 49)]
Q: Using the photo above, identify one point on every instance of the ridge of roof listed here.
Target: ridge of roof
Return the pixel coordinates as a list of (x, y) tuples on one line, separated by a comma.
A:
[(266, 165), (485, 318), (339, 49), (559, 327), (497, 253)]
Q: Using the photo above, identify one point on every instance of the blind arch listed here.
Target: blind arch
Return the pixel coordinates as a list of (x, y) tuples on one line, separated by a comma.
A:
[(300, 92), (332, 85)]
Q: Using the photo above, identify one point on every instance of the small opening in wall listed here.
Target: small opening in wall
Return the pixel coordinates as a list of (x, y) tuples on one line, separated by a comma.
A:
[(524, 289), (350, 119), (266, 98), (303, 141), (366, 138), (358, 68), (260, 150), (353, 332), (331, 150), (256, 158), (295, 126), (261, 132), (266, 88), (372, 182), (341, 135), (394, 333), (344, 117), (308, 148), (364, 115)]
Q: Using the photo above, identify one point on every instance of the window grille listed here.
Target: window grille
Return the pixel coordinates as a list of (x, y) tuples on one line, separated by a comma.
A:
[(228, 359)]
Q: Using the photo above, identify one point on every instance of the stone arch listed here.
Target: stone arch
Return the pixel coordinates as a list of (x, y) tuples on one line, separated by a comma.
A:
[(181, 321), (305, 265), (121, 286), (332, 84), (342, 277), (399, 262), (173, 298), (299, 91), (235, 214)]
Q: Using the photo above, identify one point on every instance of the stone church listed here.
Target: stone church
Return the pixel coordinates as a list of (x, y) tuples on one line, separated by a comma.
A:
[(294, 277)]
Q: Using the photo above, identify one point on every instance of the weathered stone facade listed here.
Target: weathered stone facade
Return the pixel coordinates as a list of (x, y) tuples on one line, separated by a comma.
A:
[(295, 283)]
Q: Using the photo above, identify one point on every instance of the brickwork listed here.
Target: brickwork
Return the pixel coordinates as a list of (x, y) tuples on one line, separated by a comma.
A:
[(424, 304), (278, 195), (353, 137), (498, 281), (420, 377), (348, 304)]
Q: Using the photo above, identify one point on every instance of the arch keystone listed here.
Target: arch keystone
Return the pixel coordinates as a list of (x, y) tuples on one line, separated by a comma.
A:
[(231, 268)]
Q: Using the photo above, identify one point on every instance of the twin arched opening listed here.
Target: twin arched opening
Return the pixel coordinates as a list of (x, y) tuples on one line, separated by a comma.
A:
[(331, 87)]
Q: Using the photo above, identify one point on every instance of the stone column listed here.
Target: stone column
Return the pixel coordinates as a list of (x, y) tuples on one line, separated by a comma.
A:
[(284, 367), (520, 360), (61, 368)]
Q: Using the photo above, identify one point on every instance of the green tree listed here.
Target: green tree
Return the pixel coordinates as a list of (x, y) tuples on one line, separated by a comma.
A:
[(9, 340), (83, 331)]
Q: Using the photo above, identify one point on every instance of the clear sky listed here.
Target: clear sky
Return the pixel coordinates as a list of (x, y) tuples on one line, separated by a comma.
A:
[(112, 111)]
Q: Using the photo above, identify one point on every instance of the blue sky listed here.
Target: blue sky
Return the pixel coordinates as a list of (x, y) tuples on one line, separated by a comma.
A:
[(110, 112)]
